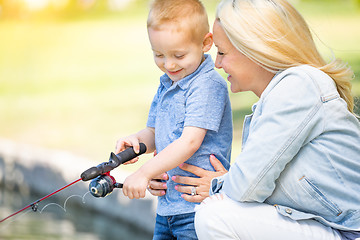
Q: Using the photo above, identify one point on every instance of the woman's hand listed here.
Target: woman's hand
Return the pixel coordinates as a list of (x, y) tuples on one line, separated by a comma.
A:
[(156, 187), (202, 183)]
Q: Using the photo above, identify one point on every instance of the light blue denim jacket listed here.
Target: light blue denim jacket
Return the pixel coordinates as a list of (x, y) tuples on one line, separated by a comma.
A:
[(301, 152)]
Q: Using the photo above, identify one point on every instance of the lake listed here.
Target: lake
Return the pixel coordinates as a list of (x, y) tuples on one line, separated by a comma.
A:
[(50, 221)]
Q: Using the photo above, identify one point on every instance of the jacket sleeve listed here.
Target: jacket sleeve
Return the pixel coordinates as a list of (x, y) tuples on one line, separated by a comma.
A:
[(281, 125)]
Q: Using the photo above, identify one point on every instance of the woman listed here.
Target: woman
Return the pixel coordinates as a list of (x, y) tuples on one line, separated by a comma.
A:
[(298, 174)]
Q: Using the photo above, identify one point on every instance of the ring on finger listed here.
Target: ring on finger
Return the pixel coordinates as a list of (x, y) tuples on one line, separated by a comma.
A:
[(193, 191)]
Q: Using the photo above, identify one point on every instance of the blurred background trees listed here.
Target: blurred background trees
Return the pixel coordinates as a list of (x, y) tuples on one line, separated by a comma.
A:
[(70, 9), (20, 9), (77, 75)]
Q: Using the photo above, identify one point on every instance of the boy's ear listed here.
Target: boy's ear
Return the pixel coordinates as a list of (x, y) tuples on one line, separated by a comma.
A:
[(208, 42)]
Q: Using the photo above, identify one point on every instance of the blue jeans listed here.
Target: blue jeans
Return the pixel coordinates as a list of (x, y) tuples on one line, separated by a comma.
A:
[(175, 227)]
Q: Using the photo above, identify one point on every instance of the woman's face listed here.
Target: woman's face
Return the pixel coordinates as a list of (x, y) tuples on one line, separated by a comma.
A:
[(243, 73)]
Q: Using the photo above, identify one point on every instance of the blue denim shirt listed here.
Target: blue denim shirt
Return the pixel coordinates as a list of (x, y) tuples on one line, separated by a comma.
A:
[(301, 152), (200, 100)]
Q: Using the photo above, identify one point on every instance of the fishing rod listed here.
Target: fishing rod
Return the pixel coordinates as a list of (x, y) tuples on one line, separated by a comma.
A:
[(34, 205), (102, 183)]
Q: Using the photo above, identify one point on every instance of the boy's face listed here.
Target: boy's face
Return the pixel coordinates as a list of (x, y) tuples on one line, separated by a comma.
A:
[(175, 53)]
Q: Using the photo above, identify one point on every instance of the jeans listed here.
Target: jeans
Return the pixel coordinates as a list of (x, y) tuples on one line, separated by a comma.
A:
[(175, 227)]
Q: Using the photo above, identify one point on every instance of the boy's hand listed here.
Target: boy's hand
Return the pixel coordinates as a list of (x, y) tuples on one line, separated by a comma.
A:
[(135, 185), (124, 143)]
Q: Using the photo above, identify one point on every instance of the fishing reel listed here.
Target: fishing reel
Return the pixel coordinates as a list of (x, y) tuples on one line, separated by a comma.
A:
[(103, 183)]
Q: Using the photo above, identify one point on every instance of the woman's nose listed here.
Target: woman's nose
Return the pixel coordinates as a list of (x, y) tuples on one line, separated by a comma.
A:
[(218, 63)]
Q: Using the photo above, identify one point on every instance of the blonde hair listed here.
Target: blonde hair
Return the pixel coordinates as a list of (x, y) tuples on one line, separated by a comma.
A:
[(275, 35), (190, 15)]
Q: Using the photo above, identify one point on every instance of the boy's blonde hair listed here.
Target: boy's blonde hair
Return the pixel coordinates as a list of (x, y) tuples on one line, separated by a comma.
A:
[(274, 34), (189, 15)]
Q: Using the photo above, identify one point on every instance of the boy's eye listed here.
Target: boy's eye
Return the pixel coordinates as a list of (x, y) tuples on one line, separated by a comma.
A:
[(158, 55), (180, 56), (220, 53)]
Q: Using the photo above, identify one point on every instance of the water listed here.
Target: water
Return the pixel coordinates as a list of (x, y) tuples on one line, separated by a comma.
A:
[(50, 221)]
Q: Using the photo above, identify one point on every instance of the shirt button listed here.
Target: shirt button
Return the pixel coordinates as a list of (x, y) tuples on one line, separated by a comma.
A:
[(288, 211)]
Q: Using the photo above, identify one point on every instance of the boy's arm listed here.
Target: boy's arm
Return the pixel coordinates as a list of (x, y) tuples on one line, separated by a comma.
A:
[(175, 153)]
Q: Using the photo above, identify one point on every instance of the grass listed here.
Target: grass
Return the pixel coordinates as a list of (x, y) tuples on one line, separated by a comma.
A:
[(80, 85)]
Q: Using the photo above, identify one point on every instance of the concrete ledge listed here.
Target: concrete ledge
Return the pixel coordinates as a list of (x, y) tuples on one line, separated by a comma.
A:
[(48, 170)]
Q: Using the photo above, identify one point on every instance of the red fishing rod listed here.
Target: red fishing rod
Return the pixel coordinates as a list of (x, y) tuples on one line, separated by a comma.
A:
[(34, 205), (103, 182)]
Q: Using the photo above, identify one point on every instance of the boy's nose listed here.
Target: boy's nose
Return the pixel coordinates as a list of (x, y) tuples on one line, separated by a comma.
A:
[(170, 65)]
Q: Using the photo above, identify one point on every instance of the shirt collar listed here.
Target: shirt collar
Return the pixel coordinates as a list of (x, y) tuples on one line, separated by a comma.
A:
[(204, 67)]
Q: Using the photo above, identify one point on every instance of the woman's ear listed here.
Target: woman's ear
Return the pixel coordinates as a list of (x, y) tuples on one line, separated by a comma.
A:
[(208, 42)]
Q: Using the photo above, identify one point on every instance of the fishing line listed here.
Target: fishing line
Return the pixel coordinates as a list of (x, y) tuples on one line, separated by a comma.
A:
[(64, 206), (47, 205)]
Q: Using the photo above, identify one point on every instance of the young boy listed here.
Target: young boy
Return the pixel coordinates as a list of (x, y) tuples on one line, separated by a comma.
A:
[(190, 116)]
